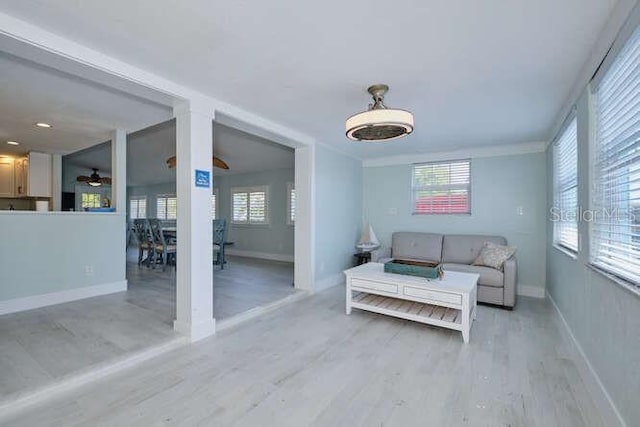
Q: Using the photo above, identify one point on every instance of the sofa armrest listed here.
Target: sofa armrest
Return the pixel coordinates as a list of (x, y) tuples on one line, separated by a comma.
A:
[(380, 254), (510, 269)]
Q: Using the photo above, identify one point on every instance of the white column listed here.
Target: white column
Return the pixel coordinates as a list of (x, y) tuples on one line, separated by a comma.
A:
[(119, 170), (56, 181), (194, 293)]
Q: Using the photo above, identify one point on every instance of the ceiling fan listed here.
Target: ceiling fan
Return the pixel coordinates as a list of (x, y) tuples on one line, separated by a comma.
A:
[(217, 163), (94, 179)]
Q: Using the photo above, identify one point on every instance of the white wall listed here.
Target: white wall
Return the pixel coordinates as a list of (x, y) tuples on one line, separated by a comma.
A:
[(499, 185)]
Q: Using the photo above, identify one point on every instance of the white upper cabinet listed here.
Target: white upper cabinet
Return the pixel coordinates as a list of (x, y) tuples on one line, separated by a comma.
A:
[(39, 175), (7, 178), (26, 176)]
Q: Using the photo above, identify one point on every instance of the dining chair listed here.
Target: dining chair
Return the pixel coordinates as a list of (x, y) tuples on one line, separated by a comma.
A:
[(160, 244), (142, 234), (219, 239)]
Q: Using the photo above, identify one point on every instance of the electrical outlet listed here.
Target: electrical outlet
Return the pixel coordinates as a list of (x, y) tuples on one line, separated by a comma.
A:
[(520, 210), (392, 211), (88, 270)]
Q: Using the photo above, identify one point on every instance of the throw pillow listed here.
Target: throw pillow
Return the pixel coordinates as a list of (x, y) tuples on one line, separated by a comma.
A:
[(494, 256)]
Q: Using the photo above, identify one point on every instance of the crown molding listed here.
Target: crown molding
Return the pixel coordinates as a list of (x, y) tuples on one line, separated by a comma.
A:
[(471, 152)]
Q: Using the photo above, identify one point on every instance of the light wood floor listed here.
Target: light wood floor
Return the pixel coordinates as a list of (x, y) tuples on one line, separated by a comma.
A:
[(309, 364), (42, 346)]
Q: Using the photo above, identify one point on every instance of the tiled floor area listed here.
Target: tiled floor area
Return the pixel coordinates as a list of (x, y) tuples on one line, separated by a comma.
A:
[(39, 347)]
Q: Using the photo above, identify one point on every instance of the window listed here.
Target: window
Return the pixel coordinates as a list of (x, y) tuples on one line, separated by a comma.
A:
[(565, 188), (167, 207), (615, 228), (91, 200), (214, 204), (249, 205), (137, 207), (291, 204), (441, 187)]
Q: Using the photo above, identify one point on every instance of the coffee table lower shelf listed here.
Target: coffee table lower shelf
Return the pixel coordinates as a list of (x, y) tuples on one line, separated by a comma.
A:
[(436, 315)]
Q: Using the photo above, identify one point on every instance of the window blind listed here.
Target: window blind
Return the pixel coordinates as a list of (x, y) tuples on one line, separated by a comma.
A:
[(240, 206), (565, 191), (214, 196), (442, 187), (291, 204), (91, 200), (138, 207), (249, 205), (615, 229), (167, 207)]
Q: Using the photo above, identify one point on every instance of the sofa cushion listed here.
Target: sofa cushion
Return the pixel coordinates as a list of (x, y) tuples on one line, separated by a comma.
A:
[(417, 246), (494, 256), (465, 248), (488, 276)]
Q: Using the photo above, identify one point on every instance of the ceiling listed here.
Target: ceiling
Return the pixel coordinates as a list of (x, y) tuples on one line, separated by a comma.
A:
[(82, 113), (473, 72), (148, 150)]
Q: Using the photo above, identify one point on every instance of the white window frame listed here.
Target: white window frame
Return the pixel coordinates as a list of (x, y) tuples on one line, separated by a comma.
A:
[(565, 163), (291, 210), (444, 187), (215, 208), (138, 199), (164, 216), (249, 190), (626, 273)]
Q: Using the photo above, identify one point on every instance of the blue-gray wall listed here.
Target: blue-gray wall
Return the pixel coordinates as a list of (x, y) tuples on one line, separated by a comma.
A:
[(499, 185), (338, 214), (151, 192), (42, 253), (603, 316), (277, 238), (273, 239)]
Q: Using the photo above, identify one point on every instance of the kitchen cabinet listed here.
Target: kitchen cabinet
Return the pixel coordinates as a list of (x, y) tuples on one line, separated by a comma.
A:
[(28, 176), (39, 175), (21, 168), (7, 179)]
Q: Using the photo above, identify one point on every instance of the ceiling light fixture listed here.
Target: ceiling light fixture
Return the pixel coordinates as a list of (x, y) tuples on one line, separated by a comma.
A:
[(43, 125), (13, 143), (379, 123)]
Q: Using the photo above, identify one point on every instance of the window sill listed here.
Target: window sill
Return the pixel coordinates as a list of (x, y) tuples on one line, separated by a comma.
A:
[(568, 252), (246, 225), (629, 286)]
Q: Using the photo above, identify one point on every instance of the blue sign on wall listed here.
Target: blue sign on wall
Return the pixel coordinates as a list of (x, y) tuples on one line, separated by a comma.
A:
[(202, 179)]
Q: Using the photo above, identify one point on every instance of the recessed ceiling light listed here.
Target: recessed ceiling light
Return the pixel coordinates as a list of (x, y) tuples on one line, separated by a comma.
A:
[(43, 125), (13, 143)]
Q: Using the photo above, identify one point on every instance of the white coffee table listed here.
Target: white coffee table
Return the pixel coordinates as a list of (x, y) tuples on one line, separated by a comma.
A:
[(448, 303)]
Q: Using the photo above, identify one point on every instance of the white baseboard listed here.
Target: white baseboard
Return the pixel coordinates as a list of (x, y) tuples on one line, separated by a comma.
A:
[(196, 331), (328, 282), (530, 291), (37, 301), (260, 255), (611, 415)]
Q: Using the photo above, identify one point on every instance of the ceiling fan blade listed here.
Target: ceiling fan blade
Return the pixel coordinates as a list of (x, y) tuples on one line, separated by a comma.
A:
[(217, 163), (106, 180), (83, 178)]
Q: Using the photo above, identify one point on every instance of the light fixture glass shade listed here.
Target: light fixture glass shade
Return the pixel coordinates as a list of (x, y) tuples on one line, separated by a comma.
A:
[(379, 125), (95, 183)]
